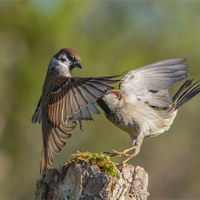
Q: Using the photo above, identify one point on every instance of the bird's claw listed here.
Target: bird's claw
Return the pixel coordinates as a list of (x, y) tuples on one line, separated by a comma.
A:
[(112, 154), (124, 153), (117, 154)]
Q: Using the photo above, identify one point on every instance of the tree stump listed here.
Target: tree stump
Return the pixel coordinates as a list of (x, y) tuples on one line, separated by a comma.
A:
[(86, 181)]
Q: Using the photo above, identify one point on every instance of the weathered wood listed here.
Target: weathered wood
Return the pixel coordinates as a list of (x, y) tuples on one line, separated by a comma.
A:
[(86, 181)]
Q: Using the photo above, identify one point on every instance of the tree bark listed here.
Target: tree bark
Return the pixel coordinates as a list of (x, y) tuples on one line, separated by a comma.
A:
[(86, 181)]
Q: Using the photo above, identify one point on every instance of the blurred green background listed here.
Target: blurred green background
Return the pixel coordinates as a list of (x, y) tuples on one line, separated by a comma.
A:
[(111, 37)]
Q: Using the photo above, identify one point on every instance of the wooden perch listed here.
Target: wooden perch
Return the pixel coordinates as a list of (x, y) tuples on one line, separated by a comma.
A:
[(82, 180)]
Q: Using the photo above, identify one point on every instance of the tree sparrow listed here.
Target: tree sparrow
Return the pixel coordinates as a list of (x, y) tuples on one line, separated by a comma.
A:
[(143, 105), (65, 99)]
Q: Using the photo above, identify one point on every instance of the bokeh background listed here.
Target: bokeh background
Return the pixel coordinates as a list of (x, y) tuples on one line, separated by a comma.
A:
[(111, 37)]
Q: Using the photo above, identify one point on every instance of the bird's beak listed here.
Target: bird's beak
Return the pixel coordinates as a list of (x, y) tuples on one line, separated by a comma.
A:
[(76, 64)]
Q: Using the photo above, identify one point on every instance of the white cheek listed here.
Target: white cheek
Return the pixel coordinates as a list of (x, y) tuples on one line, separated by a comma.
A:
[(62, 68), (65, 64), (55, 63)]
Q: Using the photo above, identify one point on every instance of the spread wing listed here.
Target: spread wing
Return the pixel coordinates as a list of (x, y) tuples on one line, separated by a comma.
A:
[(151, 83), (70, 99), (73, 98), (38, 113)]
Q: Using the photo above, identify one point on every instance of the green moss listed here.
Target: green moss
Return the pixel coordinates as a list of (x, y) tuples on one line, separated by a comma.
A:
[(103, 161)]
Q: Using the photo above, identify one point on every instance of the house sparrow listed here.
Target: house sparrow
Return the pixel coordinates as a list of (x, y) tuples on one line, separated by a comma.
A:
[(65, 99), (143, 105)]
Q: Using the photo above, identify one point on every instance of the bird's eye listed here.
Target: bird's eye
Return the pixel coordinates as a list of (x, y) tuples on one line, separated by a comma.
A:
[(70, 58), (63, 59)]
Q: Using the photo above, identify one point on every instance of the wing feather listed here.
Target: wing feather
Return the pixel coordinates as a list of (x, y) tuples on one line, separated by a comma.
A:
[(59, 143), (92, 107), (56, 148), (38, 113), (76, 116), (72, 95), (86, 114), (75, 104), (62, 134), (69, 99), (65, 101), (151, 83)]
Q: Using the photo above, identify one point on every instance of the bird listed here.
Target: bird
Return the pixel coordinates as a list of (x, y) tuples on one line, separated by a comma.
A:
[(66, 99), (143, 105)]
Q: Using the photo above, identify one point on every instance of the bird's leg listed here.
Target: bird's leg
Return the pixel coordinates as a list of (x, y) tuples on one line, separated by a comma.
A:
[(136, 149), (115, 153), (80, 123)]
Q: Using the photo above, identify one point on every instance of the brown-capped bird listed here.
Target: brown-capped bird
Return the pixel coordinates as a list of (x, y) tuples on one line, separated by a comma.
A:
[(143, 105), (65, 99)]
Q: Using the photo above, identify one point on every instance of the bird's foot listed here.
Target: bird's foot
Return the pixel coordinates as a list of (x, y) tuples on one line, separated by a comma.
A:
[(124, 153), (117, 153)]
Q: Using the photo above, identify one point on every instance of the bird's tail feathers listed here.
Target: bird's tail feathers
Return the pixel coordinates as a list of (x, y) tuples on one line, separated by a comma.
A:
[(46, 157), (186, 92), (53, 140)]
